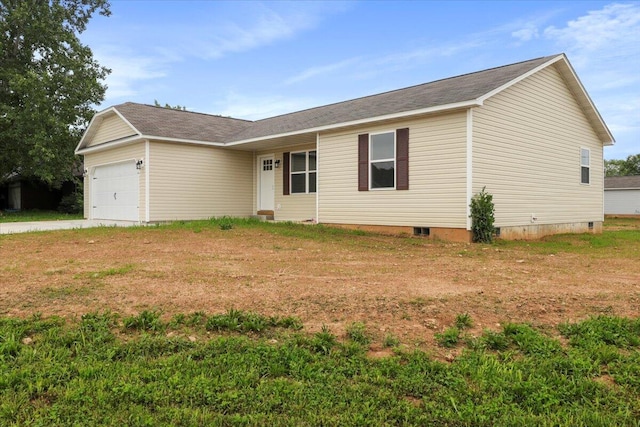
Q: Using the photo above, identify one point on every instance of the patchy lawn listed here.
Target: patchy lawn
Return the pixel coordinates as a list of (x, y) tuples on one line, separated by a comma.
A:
[(409, 289), (36, 215)]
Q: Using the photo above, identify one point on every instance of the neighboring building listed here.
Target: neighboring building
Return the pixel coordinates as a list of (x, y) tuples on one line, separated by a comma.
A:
[(23, 194), (622, 195), (410, 159)]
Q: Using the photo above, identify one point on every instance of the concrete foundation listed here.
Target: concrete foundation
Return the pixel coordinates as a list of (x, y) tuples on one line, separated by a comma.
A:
[(537, 231), (521, 232)]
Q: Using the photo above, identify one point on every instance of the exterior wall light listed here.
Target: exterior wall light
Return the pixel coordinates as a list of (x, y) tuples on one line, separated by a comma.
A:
[(140, 164), (277, 164)]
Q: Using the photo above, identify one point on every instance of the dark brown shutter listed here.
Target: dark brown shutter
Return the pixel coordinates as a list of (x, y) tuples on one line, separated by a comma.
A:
[(402, 159), (285, 174), (363, 162)]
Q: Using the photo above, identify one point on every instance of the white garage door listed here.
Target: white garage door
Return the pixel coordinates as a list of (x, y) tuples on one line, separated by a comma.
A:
[(115, 192)]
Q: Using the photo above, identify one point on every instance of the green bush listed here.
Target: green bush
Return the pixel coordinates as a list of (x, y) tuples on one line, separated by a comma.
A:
[(482, 217), (73, 203)]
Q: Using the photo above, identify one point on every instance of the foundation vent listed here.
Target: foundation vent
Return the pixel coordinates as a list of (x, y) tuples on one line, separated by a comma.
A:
[(421, 231)]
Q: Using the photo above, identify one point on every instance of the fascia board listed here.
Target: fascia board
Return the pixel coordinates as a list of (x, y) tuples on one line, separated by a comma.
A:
[(610, 140), (520, 78), (108, 145)]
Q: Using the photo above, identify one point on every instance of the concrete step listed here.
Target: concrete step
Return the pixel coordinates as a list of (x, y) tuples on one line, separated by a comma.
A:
[(263, 217)]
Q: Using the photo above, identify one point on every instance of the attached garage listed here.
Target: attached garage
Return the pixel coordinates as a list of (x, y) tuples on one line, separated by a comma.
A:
[(115, 192)]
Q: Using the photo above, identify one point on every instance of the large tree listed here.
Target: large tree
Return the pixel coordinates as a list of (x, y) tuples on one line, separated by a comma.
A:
[(49, 81), (630, 166)]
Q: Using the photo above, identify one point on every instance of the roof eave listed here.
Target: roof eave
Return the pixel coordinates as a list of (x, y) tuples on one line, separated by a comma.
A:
[(621, 188), (440, 108), (109, 144), (136, 138)]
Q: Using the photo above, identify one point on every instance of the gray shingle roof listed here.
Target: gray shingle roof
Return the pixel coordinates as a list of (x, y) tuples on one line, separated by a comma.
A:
[(453, 90), (619, 182), (168, 123)]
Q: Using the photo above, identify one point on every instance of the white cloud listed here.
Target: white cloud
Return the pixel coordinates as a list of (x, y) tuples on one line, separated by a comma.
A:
[(615, 24), (604, 47), (268, 28), (128, 70), (321, 70), (262, 25), (527, 33)]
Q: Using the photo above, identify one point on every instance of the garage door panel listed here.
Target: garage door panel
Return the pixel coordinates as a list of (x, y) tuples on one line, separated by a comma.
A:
[(116, 192)]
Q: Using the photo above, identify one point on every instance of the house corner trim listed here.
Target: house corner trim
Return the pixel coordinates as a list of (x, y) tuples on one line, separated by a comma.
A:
[(469, 165)]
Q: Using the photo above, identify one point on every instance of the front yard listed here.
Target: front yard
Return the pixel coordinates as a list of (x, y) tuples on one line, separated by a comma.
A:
[(411, 288), (244, 323)]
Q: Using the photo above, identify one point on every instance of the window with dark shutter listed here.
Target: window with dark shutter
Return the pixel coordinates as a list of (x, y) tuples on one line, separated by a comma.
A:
[(303, 172), (383, 161)]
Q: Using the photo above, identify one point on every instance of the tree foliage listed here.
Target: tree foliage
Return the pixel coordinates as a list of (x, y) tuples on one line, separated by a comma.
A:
[(49, 81), (630, 166), (171, 107)]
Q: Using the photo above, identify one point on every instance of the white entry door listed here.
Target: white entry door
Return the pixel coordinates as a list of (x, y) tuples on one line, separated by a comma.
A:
[(266, 186), (115, 192)]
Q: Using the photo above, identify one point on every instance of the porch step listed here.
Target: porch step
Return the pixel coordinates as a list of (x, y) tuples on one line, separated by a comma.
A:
[(263, 217)]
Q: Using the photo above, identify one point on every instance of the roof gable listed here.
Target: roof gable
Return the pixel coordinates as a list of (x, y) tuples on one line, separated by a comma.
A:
[(148, 121)]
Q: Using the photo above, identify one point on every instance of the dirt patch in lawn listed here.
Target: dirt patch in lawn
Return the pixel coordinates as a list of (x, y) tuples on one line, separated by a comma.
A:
[(407, 288)]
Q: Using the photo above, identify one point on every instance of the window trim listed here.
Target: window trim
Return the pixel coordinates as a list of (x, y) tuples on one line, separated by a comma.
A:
[(588, 166), (394, 159), (306, 172)]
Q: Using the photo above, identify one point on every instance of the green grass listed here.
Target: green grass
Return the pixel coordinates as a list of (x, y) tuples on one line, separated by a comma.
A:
[(36, 215), (94, 371), (625, 243), (285, 228)]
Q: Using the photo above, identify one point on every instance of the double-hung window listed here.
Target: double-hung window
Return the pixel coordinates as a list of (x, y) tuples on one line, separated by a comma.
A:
[(303, 172), (382, 160), (585, 158)]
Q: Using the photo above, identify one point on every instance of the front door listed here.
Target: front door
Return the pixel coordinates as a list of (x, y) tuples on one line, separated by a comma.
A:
[(266, 186)]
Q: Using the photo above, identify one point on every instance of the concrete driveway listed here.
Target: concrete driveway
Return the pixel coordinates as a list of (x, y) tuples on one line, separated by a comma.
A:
[(25, 227)]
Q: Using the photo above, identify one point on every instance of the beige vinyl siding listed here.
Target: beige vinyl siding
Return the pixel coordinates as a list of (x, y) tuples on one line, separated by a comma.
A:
[(293, 207), (111, 128), (129, 153), (526, 151), (196, 182), (437, 177)]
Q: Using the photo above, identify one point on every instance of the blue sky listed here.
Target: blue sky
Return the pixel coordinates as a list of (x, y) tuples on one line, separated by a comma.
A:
[(256, 59)]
